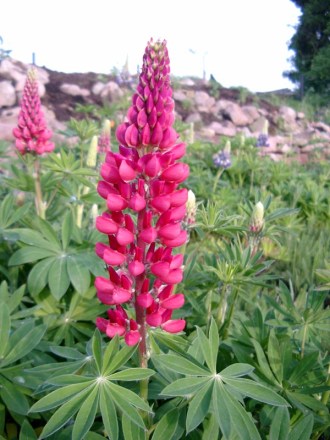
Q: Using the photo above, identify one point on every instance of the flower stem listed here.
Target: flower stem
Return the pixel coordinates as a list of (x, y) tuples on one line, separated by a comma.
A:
[(230, 315), (40, 207), (140, 313), (216, 179)]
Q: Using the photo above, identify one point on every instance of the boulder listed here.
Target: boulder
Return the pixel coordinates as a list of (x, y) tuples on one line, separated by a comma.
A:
[(7, 94), (74, 90)]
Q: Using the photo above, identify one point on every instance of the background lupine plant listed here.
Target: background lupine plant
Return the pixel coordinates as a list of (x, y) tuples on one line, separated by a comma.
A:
[(145, 212), (32, 135)]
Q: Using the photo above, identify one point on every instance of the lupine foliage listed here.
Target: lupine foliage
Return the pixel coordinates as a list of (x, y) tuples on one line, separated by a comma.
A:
[(252, 361)]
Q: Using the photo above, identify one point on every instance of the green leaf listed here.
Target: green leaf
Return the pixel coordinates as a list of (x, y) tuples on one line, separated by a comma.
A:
[(38, 276), (279, 428), (274, 356), (125, 399), (132, 374), (221, 410), (79, 275), (29, 254), (48, 232), (67, 352), (236, 370), (108, 413), (263, 363), (205, 346), (67, 229), (86, 415), (302, 430), (128, 396), (198, 407), (241, 422), (64, 413), (167, 425), (68, 379), (13, 398), (305, 364), (255, 390), (185, 386), (214, 340), (182, 365), (16, 298), (131, 431), (25, 345), (97, 350), (58, 397), (27, 432), (4, 328), (120, 359), (34, 238), (110, 351), (210, 429), (58, 278)]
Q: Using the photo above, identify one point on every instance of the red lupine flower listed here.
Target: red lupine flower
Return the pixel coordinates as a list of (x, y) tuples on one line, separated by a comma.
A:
[(145, 210), (32, 135)]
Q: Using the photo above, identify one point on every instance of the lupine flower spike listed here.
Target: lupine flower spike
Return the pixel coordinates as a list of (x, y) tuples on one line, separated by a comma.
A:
[(263, 140), (222, 158), (146, 208), (32, 135)]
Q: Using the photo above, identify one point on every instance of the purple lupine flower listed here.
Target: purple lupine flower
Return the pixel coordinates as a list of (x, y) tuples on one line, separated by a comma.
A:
[(262, 140)]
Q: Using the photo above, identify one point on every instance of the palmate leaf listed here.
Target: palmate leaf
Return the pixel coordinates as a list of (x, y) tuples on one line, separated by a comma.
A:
[(38, 276)]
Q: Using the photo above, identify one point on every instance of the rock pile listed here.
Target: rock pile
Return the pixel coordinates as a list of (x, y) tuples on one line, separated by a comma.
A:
[(212, 110)]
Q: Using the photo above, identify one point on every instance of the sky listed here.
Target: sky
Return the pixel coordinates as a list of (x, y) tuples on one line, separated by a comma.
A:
[(242, 43)]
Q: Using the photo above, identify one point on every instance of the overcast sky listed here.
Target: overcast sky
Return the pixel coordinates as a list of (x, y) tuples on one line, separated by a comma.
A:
[(241, 42)]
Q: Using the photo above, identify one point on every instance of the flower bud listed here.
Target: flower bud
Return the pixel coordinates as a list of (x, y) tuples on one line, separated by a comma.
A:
[(92, 153), (257, 219)]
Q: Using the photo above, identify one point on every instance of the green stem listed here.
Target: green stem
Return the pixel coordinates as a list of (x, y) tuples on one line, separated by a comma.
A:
[(140, 313), (230, 315), (216, 179), (209, 310), (223, 304), (40, 207), (53, 194), (303, 342)]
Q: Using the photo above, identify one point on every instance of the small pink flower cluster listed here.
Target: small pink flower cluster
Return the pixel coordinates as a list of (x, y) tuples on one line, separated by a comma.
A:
[(143, 179), (32, 135)]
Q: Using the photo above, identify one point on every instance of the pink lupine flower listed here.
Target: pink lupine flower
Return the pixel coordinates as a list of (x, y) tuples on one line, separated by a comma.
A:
[(145, 211), (32, 135)]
